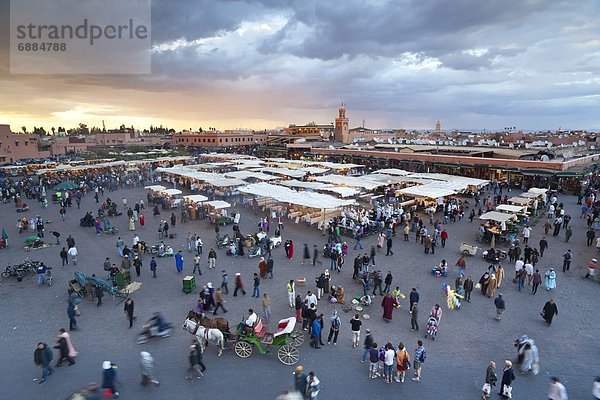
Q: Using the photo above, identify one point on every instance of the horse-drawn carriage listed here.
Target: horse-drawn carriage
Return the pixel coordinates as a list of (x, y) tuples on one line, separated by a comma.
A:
[(285, 338)]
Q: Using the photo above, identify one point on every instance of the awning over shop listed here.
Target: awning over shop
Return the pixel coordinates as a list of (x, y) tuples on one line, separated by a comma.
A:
[(510, 208), (156, 188), (519, 200), (171, 192), (217, 204), (195, 198), (343, 191), (537, 190), (497, 216), (429, 191), (286, 195), (392, 171)]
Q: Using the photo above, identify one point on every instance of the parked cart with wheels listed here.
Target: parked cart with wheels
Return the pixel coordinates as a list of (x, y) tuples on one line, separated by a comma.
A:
[(468, 249)]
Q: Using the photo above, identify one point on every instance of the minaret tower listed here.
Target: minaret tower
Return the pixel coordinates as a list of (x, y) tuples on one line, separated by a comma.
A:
[(342, 130)]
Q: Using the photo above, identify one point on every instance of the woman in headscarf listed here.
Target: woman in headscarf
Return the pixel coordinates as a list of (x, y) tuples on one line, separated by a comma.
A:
[(131, 224)]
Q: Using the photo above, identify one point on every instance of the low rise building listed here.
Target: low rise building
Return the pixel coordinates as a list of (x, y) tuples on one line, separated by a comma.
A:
[(18, 146)]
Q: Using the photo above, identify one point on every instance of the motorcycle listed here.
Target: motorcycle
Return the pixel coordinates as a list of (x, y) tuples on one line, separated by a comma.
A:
[(256, 251), (151, 330), (493, 255), (49, 276), (112, 230), (223, 241)]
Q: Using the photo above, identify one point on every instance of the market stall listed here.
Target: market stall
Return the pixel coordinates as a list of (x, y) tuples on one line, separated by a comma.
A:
[(193, 204), (498, 226), (217, 212)]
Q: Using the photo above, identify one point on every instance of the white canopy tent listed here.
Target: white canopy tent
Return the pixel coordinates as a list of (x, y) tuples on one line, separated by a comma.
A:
[(343, 191), (250, 174), (155, 188), (392, 171), (497, 216), (195, 198), (452, 178), (285, 195), (530, 195), (293, 173), (537, 191), (171, 192), (519, 200), (430, 190), (217, 204), (510, 208), (346, 180)]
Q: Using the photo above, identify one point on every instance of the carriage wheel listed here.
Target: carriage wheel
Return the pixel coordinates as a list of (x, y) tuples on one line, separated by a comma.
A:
[(288, 354), (243, 349), (297, 338), (466, 252)]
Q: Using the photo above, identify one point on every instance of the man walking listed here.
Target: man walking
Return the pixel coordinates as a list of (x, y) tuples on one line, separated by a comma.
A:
[(414, 325), (256, 290), (334, 329), (388, 282), (315, 259), (197, 265), (367, 343), (219, 300), (355, 324), (526, 234), (179, 262), (567, 257), (225, 282), (420, 355), (212, 258), (128, 309), (557, 390), (543, 246), (500, 306), (413, 297), (43, 357), (153, 266), (388, 243), (239, 285)]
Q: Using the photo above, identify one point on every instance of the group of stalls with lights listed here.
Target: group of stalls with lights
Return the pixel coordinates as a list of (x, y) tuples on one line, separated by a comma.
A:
[(73, 171), (503, 224)]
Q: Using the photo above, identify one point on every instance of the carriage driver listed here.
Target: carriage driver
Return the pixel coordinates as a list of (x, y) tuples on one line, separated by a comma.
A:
[(252, 318)]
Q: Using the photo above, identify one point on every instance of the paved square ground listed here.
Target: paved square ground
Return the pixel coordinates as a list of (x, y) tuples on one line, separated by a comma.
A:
[(456, 361)]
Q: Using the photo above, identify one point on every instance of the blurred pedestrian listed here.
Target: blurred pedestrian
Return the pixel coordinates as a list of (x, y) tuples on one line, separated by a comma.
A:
[(146, 368)]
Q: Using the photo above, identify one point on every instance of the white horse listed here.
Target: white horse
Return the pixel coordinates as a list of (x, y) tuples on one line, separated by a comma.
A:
[(205, 335)]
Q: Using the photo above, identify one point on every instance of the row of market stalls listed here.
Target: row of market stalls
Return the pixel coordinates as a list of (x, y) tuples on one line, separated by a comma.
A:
[(311, 192), (503, 223)]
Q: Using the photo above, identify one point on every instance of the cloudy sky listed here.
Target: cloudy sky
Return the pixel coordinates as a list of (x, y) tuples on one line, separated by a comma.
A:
[(532, 64)]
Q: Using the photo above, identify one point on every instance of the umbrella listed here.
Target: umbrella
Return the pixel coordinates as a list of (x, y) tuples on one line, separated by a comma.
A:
[(65, 186)]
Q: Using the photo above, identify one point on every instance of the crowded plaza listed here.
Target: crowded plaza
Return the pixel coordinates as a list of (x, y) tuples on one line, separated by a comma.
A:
[(225, 275)]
